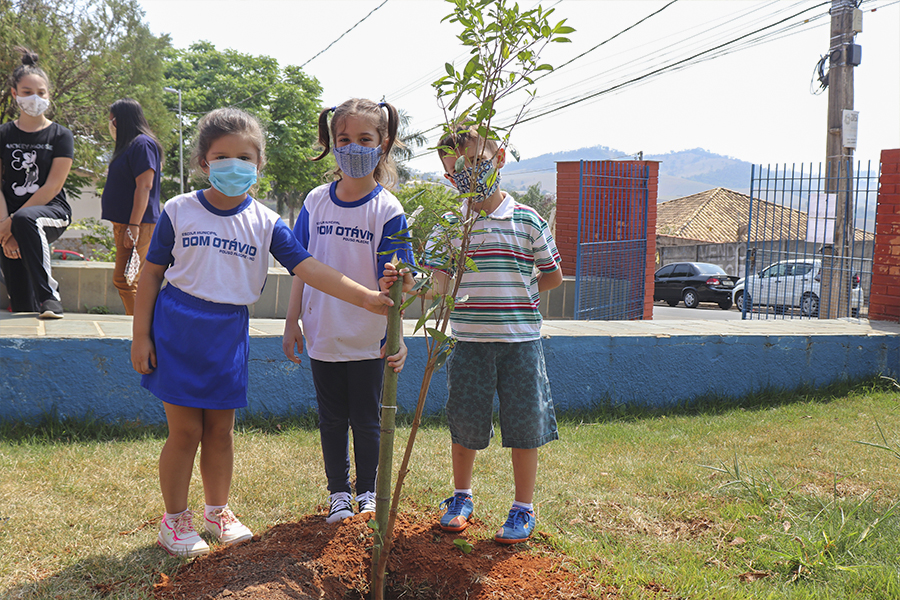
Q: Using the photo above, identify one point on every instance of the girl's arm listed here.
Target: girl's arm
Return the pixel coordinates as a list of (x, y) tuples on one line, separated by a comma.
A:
[(293, 334), (59, 171), (334, 283), (143, 184), (143, 352)]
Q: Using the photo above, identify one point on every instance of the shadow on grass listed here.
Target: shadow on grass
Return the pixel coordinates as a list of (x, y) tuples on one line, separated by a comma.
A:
[(99, 576), (53, 429)]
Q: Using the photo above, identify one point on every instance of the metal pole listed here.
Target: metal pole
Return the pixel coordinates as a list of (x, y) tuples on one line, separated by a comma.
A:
[(180, 140), (180, 145)]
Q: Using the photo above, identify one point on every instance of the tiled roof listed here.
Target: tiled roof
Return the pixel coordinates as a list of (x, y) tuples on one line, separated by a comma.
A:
[(721, 215)]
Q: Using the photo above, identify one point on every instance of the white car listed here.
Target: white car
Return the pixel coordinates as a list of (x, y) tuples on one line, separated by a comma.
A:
[(791, 283)]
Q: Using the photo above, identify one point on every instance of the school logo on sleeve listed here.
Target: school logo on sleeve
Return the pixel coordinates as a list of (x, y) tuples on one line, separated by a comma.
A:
[(210, 239)]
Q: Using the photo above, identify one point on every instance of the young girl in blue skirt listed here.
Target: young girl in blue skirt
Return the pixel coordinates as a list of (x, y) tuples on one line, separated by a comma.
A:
[(191, 338)]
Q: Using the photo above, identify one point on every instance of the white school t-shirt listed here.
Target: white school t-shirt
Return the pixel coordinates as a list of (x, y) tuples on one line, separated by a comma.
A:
[(350, 237), (221, 256)]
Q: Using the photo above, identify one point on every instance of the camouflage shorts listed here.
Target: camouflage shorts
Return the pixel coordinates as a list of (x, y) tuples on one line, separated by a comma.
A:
[(517, 373)]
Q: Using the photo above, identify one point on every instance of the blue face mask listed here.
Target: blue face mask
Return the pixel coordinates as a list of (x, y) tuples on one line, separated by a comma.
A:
[(357, 161), (486, 183), (232, 176)]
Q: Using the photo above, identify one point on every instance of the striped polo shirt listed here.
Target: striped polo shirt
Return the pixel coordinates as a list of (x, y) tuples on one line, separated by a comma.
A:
[(500, 301)]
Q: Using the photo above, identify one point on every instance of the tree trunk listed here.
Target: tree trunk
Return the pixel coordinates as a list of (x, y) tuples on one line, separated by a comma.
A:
[(386, 450)]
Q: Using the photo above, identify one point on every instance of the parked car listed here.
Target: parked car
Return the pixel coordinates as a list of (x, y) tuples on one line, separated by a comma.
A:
[(789, 284), (693, 283), (66, 255)]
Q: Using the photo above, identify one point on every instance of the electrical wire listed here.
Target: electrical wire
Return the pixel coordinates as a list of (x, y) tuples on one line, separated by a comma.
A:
[(343, 34)]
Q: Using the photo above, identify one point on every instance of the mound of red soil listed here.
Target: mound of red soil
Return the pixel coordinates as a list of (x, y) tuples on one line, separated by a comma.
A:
[(313, 560)]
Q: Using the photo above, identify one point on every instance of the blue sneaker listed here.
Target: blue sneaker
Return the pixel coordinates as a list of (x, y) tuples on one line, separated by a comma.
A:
[(459, 509), (518, 526)]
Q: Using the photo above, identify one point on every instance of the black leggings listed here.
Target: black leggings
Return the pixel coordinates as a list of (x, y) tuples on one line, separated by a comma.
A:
[(348, 395), (28, 279)]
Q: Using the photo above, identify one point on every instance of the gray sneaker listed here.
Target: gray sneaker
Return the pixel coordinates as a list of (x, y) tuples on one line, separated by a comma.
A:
[(366, 502), (340, 507), (51, 309)]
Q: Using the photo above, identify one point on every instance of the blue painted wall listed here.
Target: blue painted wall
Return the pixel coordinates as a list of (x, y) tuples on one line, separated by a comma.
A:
[(93, 377)]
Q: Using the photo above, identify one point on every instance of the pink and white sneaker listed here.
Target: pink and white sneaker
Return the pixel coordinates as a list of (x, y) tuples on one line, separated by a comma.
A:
[(179, 538), (225, 526)]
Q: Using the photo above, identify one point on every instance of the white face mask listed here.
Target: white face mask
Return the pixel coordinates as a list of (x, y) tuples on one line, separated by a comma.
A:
[(33, 105)]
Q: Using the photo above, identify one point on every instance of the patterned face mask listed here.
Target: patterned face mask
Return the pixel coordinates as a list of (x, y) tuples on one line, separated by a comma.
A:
[(33, 105), (357, 161), (487, 180)]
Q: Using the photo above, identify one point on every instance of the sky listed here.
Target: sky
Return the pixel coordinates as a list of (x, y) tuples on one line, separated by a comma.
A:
[(753, 103)]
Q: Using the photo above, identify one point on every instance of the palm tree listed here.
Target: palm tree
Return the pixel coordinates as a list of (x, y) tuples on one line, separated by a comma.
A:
[(405, 150)]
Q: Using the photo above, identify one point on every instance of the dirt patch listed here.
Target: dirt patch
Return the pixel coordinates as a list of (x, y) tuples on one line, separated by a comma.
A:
[(312, 560)]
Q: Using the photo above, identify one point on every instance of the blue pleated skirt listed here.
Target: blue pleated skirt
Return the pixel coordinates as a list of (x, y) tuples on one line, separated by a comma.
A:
[(202, 352)]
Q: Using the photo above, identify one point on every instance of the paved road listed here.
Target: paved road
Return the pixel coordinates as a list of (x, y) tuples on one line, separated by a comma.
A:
[(705, 312)]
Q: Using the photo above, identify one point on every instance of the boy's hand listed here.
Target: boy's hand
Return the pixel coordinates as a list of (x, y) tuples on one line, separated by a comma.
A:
[(293, 338), (377, 302), (391, 274), (396, 361), (143, 355)]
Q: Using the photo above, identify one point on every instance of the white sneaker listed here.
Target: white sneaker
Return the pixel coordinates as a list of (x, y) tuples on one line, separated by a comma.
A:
[(366, 502), (340, 507), (179, 538), (225, 526)]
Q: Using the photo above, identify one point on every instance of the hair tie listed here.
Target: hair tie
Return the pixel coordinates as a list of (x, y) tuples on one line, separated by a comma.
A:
[(332, 109), (382, 104)]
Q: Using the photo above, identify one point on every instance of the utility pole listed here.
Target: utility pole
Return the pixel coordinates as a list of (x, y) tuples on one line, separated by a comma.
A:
[(843, 56)]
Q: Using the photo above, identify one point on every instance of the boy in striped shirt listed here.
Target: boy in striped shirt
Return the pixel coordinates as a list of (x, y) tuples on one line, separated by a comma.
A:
[(498, 333)]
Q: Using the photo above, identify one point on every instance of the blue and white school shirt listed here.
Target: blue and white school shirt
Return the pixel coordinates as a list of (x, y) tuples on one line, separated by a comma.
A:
[(221, 256), (350, 237)]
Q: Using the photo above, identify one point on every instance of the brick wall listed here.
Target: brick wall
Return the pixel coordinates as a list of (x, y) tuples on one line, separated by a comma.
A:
[(567, 190), (884, 305)]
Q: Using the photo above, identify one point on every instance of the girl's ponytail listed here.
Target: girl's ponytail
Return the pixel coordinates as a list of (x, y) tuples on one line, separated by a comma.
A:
[(324, 133), (393, 124)]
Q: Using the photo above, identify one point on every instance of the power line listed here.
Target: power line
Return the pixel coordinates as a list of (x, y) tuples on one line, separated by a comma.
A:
[(343, 34), (609, 39), (672, 66)]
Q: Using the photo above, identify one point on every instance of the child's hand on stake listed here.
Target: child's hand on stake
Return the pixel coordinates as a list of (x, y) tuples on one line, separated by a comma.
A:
[(377, 302), (391, 274), (396, 361), (143, 355)]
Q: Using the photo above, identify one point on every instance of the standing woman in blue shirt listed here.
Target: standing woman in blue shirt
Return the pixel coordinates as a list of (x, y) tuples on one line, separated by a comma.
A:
[(131, 197)]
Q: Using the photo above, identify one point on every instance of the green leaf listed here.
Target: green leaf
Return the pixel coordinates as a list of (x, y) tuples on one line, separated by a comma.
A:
[(560, 28), (460, 164), (561, 39), (463, 545), (436, 334)]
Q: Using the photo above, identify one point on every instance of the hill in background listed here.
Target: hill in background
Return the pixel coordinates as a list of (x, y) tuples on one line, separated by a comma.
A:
[(680, 173)]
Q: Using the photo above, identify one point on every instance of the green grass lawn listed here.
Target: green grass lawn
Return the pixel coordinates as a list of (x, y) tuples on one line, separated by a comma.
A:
[(773, 497)]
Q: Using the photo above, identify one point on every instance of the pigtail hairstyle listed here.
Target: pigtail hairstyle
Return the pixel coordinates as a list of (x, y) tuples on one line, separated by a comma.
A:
[(130, 123), (29, 66), (387, 125), (324, 135)]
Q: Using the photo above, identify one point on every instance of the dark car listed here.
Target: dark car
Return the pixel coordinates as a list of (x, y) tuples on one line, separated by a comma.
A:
[(693, 283)]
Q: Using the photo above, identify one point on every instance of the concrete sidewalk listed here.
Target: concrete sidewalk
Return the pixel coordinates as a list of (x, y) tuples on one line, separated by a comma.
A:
[(80, 366), (80, 325)]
